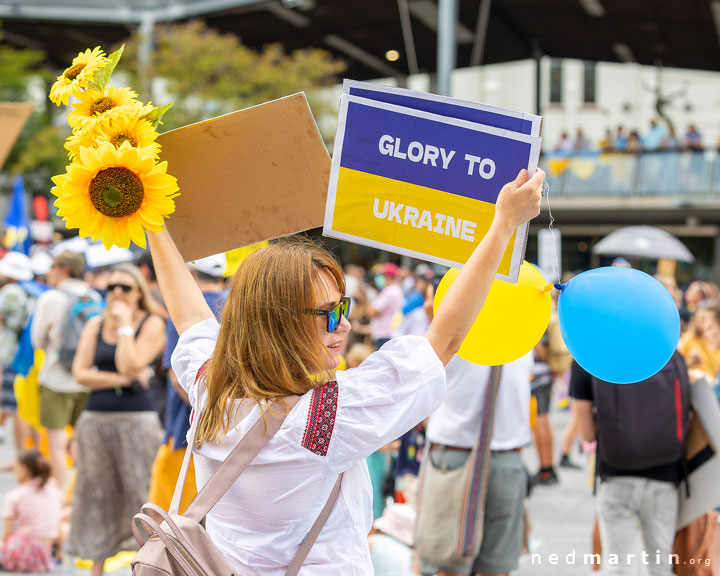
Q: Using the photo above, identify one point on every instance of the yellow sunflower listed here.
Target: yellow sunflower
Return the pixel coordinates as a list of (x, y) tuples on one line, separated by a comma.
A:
[(77, 76), (96, 106), (115, 193), (125, 128)]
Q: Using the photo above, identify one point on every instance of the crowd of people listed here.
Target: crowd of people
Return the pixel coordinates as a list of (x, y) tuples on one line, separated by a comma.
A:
[(660, 136), (125, 346)]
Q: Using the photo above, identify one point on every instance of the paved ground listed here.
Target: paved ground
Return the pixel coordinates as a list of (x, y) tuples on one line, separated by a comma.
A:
[(561, 517)]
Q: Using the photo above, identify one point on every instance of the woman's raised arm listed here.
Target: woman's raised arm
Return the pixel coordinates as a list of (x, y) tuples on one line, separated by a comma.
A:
[(183, 299), (518, 202)]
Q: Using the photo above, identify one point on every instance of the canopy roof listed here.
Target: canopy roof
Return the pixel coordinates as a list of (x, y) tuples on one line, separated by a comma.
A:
[(678, 34)]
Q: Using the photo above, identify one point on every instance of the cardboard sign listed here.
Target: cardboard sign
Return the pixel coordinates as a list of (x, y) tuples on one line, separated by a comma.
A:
[(249, 176), (423, 184), (702, 455), (12, 119)]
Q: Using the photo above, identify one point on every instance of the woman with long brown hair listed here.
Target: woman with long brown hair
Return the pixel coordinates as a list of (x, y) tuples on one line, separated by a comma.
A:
[(119, 431), (281, 333)]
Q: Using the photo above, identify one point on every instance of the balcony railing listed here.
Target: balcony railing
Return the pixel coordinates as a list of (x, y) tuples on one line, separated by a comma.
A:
[(641, 174)]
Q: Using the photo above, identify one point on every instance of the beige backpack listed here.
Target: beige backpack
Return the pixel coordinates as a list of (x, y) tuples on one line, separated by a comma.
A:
[(179, 544)]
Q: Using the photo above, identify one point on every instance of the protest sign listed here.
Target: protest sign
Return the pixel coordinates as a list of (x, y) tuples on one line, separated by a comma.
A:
[(253, 175), (13, 116), (446, 106), (422, 184)]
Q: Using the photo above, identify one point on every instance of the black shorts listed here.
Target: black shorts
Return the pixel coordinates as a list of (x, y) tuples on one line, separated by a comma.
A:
[(542, 390)]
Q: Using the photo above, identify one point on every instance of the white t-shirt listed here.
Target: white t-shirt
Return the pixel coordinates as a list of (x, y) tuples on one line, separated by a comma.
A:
[(457, 421), (261, 520)]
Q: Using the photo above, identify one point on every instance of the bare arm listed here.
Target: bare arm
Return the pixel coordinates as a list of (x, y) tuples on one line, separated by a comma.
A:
[(183, 297), (518, 202), (585, 417), (175, 384), (82, 369), (9, 525), (132, 355)]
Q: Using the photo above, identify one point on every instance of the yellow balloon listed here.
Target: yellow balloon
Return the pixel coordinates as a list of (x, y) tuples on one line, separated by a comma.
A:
[(512, 320)]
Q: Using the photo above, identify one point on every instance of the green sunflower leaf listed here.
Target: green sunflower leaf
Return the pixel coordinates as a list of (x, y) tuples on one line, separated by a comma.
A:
[(156, 114), (102, 76)]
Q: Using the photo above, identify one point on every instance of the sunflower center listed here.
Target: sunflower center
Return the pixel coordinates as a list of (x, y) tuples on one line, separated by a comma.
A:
[(72, 72), (102, 105), (116, 192), (118, 139)]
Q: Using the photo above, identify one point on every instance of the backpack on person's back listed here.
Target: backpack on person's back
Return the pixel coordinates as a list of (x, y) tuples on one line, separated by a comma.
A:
[(80, 309), (645, 424)]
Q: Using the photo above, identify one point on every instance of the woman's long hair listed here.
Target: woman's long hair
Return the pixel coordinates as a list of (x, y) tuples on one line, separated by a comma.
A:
[(269, 346), (147, 302)]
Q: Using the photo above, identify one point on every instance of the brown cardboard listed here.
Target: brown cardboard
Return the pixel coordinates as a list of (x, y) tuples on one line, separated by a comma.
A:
[(13, 116), (253, 175)]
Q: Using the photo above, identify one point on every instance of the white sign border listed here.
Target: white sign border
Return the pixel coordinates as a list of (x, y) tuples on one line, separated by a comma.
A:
[(535, 120)]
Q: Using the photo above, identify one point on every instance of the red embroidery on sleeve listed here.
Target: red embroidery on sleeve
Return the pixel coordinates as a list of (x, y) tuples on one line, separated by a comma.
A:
[(321, 419)]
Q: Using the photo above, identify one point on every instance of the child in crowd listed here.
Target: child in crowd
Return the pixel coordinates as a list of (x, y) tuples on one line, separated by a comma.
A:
[(32, 516)]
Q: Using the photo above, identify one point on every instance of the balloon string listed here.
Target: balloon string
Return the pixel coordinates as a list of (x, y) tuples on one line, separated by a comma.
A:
[(556, 265)]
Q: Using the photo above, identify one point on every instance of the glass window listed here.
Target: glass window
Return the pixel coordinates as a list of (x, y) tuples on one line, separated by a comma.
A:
[(556, 77), (589, 82)]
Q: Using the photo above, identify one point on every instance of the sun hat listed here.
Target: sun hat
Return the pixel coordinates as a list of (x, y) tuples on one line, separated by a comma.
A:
[(16, 266), (214, 265), (398, 521)]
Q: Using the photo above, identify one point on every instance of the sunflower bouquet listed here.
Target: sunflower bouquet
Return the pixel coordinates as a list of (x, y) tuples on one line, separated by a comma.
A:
[(114, 187)]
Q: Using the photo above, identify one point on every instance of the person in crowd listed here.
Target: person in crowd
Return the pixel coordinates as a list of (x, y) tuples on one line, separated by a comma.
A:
[(621, 139), (607, 144), (354, 280), (62, 399), (119, 432), (387, 303), (654, 137), (565, 144), (452, 433), (634, 143), (16, 307), (360, 317), (694, 346), (670, 141), (289, 296), (693, 139), (542, 385), (581, 142), (391, 541), (32, 516), (641, 431), (417, 309), (209, 274), (699, 291)]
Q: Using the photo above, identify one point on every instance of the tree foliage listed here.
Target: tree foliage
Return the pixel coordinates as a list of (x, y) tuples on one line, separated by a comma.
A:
[(207, 73)]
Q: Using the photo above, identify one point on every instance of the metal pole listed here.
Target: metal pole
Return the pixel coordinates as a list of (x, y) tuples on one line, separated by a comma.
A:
[(446, 51), (146, 33), (406, 25), (537, 56), (478, 50)]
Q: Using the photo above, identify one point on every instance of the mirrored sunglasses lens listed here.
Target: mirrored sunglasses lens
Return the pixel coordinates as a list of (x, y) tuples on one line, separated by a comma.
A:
[(333, 319)]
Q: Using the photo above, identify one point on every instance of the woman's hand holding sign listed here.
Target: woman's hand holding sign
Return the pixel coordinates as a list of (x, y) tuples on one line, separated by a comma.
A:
[(518, 202)]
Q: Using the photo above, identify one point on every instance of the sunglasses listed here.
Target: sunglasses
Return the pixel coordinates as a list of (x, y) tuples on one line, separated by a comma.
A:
[(126, 288), (334, 314)]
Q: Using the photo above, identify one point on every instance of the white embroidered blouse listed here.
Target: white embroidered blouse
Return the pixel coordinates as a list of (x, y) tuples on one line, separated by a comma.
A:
[(260, 522)]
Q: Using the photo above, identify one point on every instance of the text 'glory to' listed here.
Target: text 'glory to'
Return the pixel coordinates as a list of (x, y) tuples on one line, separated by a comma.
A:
[(429, 155)]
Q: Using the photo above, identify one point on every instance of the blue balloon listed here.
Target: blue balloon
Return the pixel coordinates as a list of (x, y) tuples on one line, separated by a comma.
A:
[(620, 324)]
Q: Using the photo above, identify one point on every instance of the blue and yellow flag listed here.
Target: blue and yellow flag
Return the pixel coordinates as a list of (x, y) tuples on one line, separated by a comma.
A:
[(17, 231)]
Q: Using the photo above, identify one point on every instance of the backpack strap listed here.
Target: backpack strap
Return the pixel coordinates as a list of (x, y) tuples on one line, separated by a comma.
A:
[(180, 484)]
